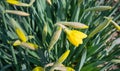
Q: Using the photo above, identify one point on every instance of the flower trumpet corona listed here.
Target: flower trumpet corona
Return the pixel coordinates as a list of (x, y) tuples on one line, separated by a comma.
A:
[(75, 37)]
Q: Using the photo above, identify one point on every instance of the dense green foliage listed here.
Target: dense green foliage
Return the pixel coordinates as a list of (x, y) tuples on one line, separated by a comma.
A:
[(99, 52)]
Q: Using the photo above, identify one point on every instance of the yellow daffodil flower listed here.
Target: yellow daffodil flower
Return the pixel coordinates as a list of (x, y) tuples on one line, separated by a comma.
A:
[(38, 68), (75, 37)]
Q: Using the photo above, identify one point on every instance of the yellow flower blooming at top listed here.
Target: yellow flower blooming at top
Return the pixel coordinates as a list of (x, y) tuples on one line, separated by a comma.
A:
[(15, 2), (75, 37), (38, 69)]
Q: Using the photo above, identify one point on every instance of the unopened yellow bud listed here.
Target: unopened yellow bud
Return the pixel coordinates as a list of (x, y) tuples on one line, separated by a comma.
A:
[(17, 42), (63, 57), (18, 3), (15, 2), (21, 34)]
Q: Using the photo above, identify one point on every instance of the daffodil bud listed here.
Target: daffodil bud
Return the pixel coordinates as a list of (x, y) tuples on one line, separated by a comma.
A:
[(38, 68), (55, 38), (18, 3), (21, 34), (20, 13), (44, 33), (29, 45), (100, 27), (99, 8), (74, 25), (15, 2), (63, 57), (17, 42)]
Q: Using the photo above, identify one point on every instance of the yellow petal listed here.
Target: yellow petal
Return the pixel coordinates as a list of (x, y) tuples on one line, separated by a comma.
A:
[(21, 35), (38, 69)]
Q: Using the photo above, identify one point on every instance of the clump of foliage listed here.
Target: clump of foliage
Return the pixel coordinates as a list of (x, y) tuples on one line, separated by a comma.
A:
[(63, 35)]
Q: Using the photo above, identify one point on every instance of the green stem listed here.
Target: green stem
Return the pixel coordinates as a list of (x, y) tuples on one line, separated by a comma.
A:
[(15, 60)]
